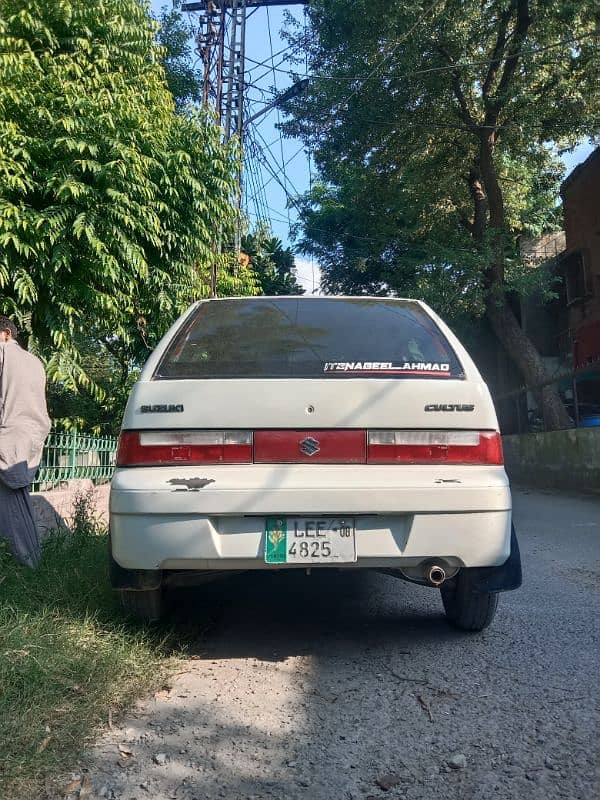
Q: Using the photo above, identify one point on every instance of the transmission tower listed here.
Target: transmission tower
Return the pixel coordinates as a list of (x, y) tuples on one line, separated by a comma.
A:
[(221, 45)]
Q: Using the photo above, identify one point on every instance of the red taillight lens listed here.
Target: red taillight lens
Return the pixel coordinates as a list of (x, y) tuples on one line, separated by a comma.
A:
[(434, 447), (183, 448)]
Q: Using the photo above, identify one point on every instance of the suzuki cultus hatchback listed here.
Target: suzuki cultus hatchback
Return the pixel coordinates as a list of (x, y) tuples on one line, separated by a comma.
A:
[(307, 433)]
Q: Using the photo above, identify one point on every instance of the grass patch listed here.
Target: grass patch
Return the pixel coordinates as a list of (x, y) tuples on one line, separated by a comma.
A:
[(67, 656)]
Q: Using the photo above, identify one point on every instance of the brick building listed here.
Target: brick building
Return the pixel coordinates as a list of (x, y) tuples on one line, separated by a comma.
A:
[(565, 330), (581, 260)]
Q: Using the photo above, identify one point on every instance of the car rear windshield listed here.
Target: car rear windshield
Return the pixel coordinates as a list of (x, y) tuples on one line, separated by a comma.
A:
[(309, 338)]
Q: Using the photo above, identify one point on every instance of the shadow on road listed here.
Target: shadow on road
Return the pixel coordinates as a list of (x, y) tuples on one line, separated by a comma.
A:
[(272, 616)]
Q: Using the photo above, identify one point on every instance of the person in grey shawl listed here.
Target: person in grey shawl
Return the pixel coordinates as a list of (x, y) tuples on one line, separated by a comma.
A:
[(24, 426)]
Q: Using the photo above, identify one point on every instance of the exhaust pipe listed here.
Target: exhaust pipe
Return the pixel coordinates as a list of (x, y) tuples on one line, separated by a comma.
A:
[(436, 575)]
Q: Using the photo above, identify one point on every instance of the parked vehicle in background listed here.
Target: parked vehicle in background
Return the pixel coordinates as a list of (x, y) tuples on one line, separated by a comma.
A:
[(308, 433)]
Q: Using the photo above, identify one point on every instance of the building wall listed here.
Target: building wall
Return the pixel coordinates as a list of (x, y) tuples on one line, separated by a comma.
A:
[(581, 207)]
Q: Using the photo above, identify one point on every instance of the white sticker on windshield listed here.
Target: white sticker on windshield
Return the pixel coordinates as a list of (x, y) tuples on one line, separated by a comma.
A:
[(388, 367)]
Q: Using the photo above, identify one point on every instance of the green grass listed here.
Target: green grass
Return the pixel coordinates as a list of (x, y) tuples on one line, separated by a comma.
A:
[(68, 656)]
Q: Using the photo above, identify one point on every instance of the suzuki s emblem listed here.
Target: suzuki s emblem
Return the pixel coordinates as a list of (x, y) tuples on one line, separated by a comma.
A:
[(309, 446)]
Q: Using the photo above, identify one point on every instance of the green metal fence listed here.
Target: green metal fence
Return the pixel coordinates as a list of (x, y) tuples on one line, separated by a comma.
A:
[(70, 456)]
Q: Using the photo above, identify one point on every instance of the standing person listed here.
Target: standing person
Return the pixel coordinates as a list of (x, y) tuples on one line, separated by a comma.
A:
[(24, 425)]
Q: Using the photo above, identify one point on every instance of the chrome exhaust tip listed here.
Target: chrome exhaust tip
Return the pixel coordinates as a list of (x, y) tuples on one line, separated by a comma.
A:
[(436, 575)]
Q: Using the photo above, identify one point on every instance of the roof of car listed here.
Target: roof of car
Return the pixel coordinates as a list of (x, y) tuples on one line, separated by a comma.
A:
[(312, 297)]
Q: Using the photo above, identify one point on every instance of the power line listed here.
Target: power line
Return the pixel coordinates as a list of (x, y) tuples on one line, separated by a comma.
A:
[(261, 159), (310, 177), (278, 114), (269, 62), (275, 172), (254, 184), (258, 196), (265, 63), (275, 176), (426, 70), (257, 155), (285, 164), (276, 67), (280, 170)]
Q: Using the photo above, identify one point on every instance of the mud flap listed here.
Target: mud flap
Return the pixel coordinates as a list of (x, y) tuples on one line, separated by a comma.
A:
[(503, 578), (131, 579)]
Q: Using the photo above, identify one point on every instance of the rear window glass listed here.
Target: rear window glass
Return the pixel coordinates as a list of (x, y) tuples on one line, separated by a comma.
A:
[(309, 338)]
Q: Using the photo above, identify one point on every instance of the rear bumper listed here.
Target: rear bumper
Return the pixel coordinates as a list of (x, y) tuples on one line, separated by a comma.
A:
[(403, 515), (169, 541)]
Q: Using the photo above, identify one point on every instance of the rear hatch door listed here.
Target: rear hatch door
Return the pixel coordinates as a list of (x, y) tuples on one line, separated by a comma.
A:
[(310, 364)]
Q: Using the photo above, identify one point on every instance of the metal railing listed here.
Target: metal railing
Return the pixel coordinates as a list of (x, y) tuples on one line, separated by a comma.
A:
[(73, 456)]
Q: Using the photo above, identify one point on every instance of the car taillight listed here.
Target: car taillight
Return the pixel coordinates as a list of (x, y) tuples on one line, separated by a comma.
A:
[(183, 448), (434, 447)]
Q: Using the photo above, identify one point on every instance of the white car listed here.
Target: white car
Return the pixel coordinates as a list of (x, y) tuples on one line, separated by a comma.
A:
[(273, 433)]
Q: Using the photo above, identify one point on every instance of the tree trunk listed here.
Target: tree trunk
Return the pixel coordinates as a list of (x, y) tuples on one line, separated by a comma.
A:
[(521, 350), (518, 346), (488, 206)]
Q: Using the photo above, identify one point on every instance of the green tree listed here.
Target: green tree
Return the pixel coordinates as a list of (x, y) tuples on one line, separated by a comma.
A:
[(174, 35), (435, 127), (273, 265), (109, 200), (112, 370)]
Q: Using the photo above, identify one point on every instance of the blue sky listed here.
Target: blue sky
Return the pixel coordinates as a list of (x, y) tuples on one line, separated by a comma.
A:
[(263, 37), (570, 160)]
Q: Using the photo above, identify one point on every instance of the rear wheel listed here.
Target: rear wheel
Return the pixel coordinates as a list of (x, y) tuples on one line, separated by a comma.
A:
[(465, 608), (146, 604)]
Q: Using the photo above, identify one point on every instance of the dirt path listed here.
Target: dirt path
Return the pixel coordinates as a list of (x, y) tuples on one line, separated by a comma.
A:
[(347, 686)]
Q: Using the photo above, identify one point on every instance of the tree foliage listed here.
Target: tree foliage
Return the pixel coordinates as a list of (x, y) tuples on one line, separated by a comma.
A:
[(174, 35), (272, 264), (435, 127), (109, 199), (113, 371)]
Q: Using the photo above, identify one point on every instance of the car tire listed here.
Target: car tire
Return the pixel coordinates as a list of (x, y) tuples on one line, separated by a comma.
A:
[(146, 604), (466, 609)]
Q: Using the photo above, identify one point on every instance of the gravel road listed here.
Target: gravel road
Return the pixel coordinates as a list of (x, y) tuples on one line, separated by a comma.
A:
[(348, 686)]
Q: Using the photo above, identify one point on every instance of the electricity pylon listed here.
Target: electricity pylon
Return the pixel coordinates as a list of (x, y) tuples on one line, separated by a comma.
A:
[(221, 44)]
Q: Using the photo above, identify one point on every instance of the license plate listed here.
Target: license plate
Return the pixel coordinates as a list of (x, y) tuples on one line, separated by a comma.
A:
[(309, 540)]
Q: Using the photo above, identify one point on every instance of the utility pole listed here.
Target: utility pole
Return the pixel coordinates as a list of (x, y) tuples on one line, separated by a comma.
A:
[(221, 44)]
